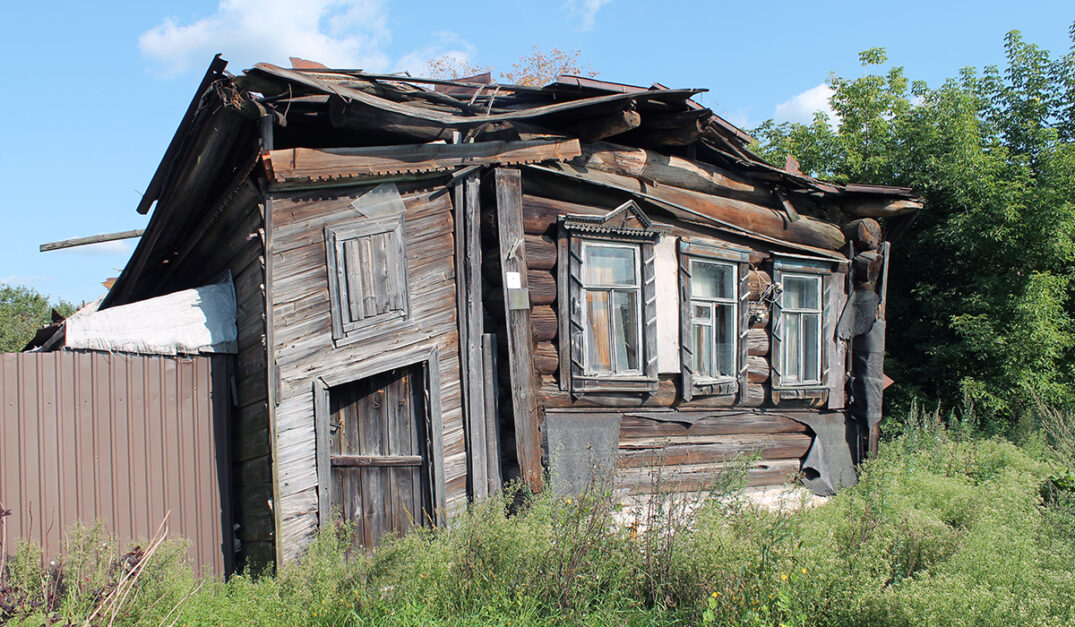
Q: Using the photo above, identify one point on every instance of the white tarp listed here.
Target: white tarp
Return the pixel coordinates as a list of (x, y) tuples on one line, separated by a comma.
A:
[(200, 320)]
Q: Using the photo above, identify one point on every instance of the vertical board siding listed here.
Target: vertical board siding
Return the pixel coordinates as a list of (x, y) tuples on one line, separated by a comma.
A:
[(304, 349), (123, 439)]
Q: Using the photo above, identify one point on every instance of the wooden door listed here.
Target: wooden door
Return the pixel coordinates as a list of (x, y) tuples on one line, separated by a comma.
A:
[(378, 454)]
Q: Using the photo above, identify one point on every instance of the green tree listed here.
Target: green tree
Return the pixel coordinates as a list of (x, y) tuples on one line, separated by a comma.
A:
[(981, 291), (24, 310)]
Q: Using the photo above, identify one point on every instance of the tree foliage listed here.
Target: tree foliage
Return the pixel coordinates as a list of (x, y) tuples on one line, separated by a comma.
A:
[(24, 310), (536, 69), (981, 286)]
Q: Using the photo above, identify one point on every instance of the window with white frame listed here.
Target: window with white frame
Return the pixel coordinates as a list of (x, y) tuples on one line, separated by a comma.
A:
[(800, 324), (713, 318), (612, 293), (714, 310), (609, 312)]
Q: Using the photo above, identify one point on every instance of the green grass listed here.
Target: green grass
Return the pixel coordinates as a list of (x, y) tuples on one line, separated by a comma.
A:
[(944, 528)]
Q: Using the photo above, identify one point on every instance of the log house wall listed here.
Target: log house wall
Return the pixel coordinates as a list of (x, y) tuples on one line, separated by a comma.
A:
[(685, 457), (304, 349)]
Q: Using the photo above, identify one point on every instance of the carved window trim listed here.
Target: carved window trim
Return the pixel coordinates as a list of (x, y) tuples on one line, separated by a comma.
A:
[(823, 271), (625, 226), (694, 385)]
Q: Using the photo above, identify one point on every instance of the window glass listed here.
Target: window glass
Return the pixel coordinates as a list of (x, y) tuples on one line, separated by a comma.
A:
[(713, 316), (609, 265), (724, 341), (625, 322), (712, 280), (599, 355), (801, 292), (801, 329), (811, 325), (613, 309)]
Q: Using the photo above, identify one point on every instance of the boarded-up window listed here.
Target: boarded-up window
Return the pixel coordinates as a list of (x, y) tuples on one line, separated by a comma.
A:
[(367, 273)]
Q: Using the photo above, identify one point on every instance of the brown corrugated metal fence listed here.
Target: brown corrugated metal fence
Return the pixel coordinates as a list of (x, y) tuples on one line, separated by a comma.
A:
[(119, 438)]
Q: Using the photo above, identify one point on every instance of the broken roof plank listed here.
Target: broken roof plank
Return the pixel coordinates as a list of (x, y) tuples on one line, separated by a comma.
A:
[(452, 120), (335, 164), (91, 239)]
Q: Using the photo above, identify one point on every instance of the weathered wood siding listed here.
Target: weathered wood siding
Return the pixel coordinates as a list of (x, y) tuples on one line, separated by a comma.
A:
[(653, 446), (304, 349)]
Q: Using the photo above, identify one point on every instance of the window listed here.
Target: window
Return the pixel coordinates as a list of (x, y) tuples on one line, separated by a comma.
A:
[(803, 328), (713, 318), (367, 274), (612, 290), (610, 315), (713, 312), (800, 319)]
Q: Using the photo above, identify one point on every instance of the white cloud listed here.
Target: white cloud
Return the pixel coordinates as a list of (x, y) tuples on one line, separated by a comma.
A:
[(801, 107), (586, 11), (338, 33)]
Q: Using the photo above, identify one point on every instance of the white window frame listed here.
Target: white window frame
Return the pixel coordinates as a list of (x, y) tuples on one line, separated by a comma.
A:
[(800, 313), (713, 303), (589, 335)]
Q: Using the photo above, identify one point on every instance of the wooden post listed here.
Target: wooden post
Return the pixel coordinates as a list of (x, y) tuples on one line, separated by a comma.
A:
[(526, 413), (492, 420), (469, 278)]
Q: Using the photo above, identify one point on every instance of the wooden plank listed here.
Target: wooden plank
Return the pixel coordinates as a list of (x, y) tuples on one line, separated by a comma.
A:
[(701, 477), (492, 420), (634, 426), (91, 239), (362, 461), (470, 264), (320, 165), (660, 452), (526, 412)]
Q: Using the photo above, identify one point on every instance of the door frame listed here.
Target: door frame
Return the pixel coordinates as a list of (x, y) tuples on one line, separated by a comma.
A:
[(428, 358)]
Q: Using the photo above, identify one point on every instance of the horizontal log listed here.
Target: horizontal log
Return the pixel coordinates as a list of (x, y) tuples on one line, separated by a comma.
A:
[(714, 423), (757, 342), (592, 129), (864, 232), (540, 214), (755, 396), (751, 217), (701, 477), (542, 286), (759, 315), (757, 282), (757, 369), (543, 320), (880, 207), (335, 164), (546, 357), (663, 452), (540, 252)]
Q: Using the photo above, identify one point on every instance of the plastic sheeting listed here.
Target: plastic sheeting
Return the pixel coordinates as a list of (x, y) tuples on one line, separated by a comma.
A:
[(200, 320)]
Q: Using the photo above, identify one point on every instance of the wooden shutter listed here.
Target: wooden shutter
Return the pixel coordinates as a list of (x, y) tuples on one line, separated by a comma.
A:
[(367, 273)]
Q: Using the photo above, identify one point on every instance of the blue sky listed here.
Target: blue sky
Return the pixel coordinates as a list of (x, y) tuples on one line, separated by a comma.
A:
[(95, 90)]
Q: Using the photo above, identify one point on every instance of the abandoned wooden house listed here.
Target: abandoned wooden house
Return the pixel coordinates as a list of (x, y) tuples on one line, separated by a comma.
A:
[(445, 285)]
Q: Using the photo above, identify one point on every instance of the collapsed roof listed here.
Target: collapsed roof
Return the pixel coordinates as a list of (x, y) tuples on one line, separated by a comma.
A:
[(351, 112)]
